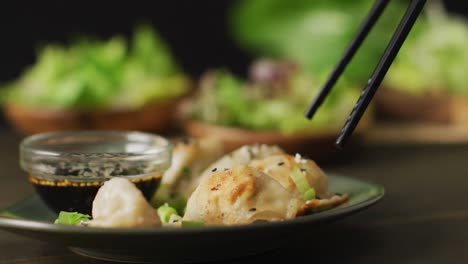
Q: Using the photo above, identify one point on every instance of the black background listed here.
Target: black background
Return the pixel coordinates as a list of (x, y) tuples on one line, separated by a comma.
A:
[(195, 30)]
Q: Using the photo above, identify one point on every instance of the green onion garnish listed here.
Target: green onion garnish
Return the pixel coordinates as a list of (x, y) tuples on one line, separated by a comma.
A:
[(165, 212), (300, 180), (192, 223), (309, 194), (302, 184)]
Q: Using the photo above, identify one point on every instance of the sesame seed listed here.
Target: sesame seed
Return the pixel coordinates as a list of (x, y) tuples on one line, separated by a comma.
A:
[(251, 154), (213, 170), (281, 163), (297, 158), (253, 209)]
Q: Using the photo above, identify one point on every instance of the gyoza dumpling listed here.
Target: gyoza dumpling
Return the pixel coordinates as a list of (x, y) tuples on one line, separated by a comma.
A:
[(242, 156), (280, 167), (241, 195), (119, 203), (201, 153), (191, 163), (192, 154), (189, 158), (262, 190)]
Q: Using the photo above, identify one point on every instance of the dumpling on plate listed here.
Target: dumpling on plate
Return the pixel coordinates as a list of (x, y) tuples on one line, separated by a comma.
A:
[(282, 166), (189, 158), (119, 203), (270, 188), (194, 160), (242, 156), (240, 195)]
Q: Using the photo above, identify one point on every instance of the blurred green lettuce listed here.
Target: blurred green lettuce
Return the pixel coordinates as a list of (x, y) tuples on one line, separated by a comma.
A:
[(94, 74), (314, 33), (435, 60), (278, 105)]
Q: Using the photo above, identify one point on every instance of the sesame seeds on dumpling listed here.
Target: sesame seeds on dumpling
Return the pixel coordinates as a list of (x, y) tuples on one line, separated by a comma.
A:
[(227, 198)]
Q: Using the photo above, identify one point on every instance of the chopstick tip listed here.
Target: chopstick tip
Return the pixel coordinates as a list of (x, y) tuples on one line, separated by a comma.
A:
[(339, 145), (341, 140), (310, 112)]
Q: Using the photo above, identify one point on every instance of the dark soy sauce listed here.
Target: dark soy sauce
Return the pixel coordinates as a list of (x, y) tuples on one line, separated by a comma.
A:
[(78, 196)]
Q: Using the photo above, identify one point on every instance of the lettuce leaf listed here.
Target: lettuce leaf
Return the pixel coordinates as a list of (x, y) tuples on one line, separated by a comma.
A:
[(313, 33), (229, 101), (71, 218), (436, 59), (94, 74)]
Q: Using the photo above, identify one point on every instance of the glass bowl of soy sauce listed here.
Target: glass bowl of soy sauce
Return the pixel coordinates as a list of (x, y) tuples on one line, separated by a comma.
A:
[(68, 168)]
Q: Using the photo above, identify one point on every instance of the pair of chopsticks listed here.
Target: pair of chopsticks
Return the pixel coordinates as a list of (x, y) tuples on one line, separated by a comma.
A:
[(414, 9)]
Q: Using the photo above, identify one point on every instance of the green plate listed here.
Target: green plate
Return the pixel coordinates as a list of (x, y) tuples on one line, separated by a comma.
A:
[(33, 219)]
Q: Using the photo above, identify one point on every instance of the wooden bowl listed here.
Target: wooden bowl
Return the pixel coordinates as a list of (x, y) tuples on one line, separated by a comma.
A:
[(155, 117), (426, 108), (317, 145)]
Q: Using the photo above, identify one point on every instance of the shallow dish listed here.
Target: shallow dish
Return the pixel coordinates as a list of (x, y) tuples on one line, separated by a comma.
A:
[(318, 145), (31, 218), (430, 107), (68, 168), (154, 117)]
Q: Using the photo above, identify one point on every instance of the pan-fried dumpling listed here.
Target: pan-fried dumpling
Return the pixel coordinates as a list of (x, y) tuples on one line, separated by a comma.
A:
[(280, 167), (119, 203), (242, 156), (240, 195), (193, 155), (189, 158), (263, 190), (203, 152)]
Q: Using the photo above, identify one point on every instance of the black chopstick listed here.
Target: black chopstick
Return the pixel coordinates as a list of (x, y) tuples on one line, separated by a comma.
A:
[(414, 9), (361, 35), (406, 24)]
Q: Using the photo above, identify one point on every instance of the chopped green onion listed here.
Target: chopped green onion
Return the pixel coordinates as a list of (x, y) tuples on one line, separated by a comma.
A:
[(165, 212), (300, 180), (302, 184), (309, 194), (192, 223), (163, 195), (71, 218)]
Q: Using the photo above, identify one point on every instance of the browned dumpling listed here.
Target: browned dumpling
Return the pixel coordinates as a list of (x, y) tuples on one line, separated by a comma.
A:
[(242, 156), (280, 167), (189, 159), (261, 189), (241, 195)]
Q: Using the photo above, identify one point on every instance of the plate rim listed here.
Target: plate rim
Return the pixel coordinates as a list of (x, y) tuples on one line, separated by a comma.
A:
[(10, 224)]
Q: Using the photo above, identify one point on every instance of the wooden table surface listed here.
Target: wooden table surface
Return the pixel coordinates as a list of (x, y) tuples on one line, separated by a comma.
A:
[(422, 219)]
